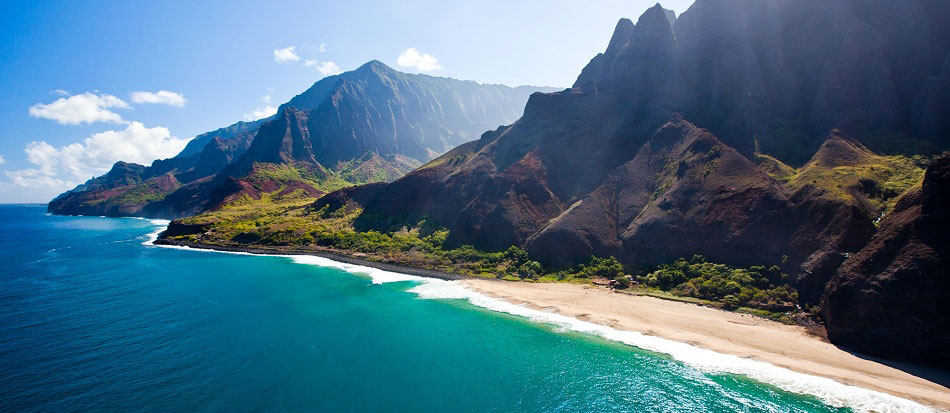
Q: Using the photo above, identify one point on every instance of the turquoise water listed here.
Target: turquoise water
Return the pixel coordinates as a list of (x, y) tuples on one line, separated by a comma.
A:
[(91, 319)]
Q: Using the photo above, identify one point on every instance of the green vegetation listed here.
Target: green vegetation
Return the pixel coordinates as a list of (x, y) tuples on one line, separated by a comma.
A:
[(452, 159), (368, 169), (295, 224), (880, 179), (775, 168), (287, 173), (757, 287), (853, 174), (372, 168)]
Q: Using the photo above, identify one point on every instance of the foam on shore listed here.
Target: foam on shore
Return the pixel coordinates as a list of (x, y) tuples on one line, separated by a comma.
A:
[(162, 224), (828, 391)]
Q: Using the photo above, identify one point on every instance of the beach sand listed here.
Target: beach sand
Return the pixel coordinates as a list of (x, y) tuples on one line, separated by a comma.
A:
[(790, 347)]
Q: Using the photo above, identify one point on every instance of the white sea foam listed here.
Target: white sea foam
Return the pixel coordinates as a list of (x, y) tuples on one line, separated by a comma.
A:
[(829, 391), (161, 225), (377, 275)]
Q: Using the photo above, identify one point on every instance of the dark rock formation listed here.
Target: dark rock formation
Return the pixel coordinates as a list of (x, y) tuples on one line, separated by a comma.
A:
[(745, 69), (890, 299)]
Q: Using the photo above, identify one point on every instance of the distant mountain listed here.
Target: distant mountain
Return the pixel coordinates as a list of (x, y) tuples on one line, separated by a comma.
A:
[(125, 189), (371, 124), (753, 132)]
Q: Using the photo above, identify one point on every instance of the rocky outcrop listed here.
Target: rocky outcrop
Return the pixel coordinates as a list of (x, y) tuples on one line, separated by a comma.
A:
[(891, 298)]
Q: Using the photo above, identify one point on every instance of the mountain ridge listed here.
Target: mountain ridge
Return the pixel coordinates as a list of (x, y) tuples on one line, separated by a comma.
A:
[(342, 119)]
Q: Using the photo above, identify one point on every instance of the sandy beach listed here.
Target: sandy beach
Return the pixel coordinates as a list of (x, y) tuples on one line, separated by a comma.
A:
[(786, 346)]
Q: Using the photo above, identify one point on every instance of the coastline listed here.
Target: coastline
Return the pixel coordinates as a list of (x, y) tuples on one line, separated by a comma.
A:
[(743, 337), (347, 259)]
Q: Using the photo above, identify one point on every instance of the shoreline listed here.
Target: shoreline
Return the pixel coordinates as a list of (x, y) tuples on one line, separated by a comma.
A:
[(704, 328), (742, 335), (347, 259)]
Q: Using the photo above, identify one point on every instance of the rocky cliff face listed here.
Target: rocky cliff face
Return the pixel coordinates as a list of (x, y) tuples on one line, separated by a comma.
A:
[(371, 124), (747, 69), (890, 298)]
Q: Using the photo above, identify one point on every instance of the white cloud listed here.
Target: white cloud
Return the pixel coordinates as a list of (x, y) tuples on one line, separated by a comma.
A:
[(263, 111), (2, 160), (85, 108), (285, 55), (411, 57), (260, 113), (61, 168), (60, 92), (33, 180), (326, 68), (162, 97), (323, 47)]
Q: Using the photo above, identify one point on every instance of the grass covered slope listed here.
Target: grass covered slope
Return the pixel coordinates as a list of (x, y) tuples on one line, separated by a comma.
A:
[(847, 171)]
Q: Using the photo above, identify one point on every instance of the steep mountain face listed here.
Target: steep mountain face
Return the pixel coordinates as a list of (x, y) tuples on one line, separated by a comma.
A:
[(377, 109), (891, 296), (371, 124), (751, 70)]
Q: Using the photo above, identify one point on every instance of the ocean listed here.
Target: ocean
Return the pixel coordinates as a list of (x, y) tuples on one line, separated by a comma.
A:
[(93, 318)]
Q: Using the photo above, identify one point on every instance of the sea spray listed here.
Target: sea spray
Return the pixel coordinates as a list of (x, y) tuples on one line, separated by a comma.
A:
[(829, 391), (162, 224)]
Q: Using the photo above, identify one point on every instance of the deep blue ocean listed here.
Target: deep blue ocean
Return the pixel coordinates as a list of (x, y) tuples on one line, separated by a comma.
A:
[(93, 320)]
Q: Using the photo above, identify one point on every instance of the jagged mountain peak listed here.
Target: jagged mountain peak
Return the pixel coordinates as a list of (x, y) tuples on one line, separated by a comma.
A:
[(621, 36), (653, 24), (633, 47), (374, 65)]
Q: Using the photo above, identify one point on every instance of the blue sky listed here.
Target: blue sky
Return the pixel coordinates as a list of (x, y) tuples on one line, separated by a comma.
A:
[(70, 70)]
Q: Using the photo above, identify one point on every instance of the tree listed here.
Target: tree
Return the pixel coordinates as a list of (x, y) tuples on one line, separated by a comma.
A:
[(516, 255)]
